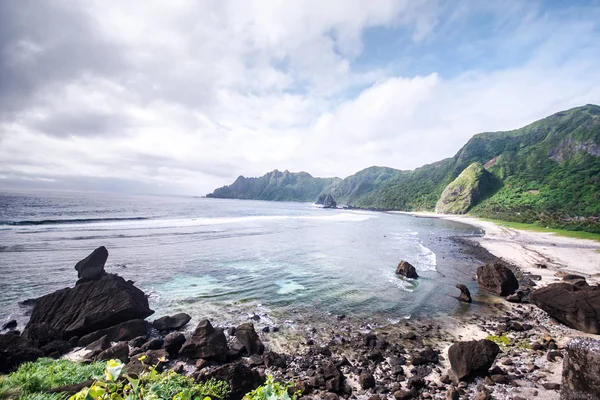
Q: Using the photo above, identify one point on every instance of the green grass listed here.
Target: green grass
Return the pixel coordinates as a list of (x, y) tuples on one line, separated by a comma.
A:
[(32, 378), (538, 228)]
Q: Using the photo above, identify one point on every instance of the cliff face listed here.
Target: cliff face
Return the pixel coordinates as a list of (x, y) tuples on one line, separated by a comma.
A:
[(466, 190)]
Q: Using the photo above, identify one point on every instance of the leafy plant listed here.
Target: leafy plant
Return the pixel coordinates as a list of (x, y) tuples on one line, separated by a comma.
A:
[(502, 340), (272, 390)]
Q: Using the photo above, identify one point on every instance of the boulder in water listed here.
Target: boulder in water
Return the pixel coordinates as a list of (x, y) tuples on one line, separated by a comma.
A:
[(473, 358), (497, 278), (12, 324), (92, 266), (407, 270), (465, 295), (206, 342), (575, 306)]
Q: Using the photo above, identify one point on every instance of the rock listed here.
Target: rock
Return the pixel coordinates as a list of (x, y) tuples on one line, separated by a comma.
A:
[(171, 322), (153, 358), (241, 378), (333, 377), (425, 356), (59, 347), (407, 270), (173, 342), (92, 266), (473, 358), (575, 306), (274, 360), (138, 341), (91, 306), (248, 337), (12, 324), (551, 386), (329, 202), (97, 347), (119, 351), (127, 330), (15, 350), (497, 278), (366, 381), (40, 334), (152, 344), (452, 393), (540, 266), (331, 396), (581, 369), (206, 342), (465, 295)]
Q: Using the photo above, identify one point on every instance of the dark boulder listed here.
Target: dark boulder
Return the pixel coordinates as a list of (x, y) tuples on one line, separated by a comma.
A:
[(92, 266), (274, 360), (91, 306), (366, 381), (12, 324), (581, 369), (15, 350), (143, 361), (58, 347), (40, 334), (173, 342), (248, 337), (171, 322), (575, 306), (119, 351), (334, 379), (97, 347), (473, 358), (153, 344), (425, 356), (206, 342), (127, 330), (241, 378), (407, 270), (465, 295), (497, 278)]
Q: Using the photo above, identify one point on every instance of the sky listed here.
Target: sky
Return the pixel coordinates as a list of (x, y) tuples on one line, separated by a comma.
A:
[(183, 96)]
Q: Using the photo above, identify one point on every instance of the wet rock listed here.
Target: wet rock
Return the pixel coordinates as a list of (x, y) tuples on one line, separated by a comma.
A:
[(206, 342), (465, 295), (366, 381), (90, 306), (575, 306), (127, 330), (407, 270), (171, 322), (473, 358), (119, 351), (12, 324), (173, 343), (497, 278), (249, 339), (92, 266), (15, 350), (581, 369), (241, 378)]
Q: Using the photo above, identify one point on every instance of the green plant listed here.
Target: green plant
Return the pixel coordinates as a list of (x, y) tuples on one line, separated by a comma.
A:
[(271, 390), (150, 385), (502, 340)]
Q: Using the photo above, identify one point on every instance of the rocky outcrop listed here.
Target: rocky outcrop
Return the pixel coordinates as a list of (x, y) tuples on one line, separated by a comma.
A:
[(473, 358), (171, 322), (497, 278), (15, 350), (249, 339), (91, 306), (206, 342), (127, 330), (473, 183), (173, 343), (465, 295), (581, 370), (575, 306), (92, 266), (329, 202), (241, 378), (406, 270)]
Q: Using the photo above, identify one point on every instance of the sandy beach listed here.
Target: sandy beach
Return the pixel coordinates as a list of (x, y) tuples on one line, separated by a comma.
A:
[(526, 249)]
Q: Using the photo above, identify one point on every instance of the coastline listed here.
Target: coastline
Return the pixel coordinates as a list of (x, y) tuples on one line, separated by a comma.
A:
[(524, 249)]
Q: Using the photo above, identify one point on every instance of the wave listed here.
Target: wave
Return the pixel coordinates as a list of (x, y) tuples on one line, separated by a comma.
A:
[(69, 221)]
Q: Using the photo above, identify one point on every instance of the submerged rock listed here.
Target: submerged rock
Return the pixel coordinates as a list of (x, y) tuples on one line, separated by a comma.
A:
[(575, 306), (91, 306), (407, 270), (12, 324), (206, 342), (465, 295), (93, 265), (581, 369), (473, 358), (497, 278)]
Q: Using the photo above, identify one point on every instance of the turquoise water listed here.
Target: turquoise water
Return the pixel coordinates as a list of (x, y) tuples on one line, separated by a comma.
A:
[(226, 258)]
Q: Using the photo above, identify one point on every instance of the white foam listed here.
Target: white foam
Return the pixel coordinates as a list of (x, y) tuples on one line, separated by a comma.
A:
[(426, 259), (288, 286)]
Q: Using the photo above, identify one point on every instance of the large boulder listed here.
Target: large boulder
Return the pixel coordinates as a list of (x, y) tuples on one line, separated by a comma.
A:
[(497, 278), (15, 350), (249, 339), (575, 306), (465, 295), (127, 330), (92, 266), (119, 351), (173, 342), (241, 378), (206, 342), (91, 306), (581, 369), (171, 322), (473, 358), (407, 270)]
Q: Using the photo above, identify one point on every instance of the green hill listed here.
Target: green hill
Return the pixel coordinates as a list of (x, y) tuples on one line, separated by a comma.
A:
[(548, 171)]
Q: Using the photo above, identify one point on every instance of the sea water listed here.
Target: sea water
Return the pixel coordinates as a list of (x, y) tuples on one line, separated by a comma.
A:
[(225, 258)]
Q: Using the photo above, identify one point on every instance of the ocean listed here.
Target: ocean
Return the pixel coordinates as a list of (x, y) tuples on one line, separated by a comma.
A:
[(228, 259)]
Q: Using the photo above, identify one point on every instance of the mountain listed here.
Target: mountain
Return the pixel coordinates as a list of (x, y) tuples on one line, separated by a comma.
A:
[(276, 185), (548, 171)]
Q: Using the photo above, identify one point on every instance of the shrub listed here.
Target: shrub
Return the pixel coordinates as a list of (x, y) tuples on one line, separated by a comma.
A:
[(271, 390)]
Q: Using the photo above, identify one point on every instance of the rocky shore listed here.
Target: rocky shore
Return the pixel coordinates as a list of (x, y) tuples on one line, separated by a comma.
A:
[(513, 350)]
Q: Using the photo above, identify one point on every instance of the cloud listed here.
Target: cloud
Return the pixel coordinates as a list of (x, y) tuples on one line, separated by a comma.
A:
[(184, 96)]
